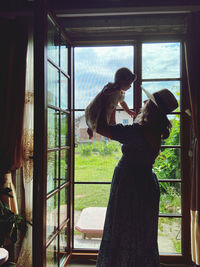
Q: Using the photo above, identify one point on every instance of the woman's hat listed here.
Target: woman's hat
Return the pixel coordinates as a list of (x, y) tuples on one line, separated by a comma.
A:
[(163, 99)]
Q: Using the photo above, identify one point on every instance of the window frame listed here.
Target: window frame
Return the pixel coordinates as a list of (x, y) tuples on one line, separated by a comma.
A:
[(184, 140)]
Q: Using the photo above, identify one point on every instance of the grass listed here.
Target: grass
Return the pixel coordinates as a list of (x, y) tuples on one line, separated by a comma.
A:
[(96, 163)]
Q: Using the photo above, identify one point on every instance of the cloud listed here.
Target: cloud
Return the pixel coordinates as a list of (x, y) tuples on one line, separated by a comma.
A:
[(161, 60), (96, 66)]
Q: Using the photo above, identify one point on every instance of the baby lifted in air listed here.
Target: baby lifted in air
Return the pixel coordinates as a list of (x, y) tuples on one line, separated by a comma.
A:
[(115, 94)]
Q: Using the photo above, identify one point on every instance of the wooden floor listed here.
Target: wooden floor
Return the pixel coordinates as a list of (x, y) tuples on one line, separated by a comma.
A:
[(92, 263)]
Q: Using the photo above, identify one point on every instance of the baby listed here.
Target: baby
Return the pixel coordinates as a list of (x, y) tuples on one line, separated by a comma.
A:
[(115, 94)]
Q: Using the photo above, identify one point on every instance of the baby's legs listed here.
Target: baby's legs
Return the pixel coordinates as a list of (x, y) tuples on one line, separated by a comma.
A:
[(112, 117), (90, 133)]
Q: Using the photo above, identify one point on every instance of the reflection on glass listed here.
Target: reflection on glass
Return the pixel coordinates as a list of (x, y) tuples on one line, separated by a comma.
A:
[(64, 129), (64, 92), (173, 86), (170, 198), (167, 164), (63, 55), (95, 67), (53, 42), (52, 216), (64, 242), (63, 204), (87, 198), (53, 85), (52, 171), (53, 128), (52, 254), (160, 60), (169, 235), (64, 166)]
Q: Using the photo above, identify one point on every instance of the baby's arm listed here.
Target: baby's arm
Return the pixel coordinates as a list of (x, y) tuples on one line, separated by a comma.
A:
[(126, 108)]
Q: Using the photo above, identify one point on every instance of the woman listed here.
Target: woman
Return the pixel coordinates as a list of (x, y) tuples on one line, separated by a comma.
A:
[(131, 224)]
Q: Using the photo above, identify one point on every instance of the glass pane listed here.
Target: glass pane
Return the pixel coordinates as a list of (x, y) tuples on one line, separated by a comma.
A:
[(64, 129), (169, 235), (173, 86), (89, 214), (174, 138), (64, 164), (167, 164), (52, 171), (64, 193), (53, 85), (52, 254), (170, 198), (53, 42), (95, 67), (52, 216), (160, 60), (95, 161), (64, 243), (64, 91), (63, 55), (53, 128)]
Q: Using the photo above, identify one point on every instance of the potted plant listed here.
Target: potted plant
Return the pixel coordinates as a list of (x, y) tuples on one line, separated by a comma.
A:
[(10, 222)]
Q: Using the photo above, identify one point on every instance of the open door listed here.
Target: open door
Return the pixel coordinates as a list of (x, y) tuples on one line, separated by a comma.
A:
[(52, 142)]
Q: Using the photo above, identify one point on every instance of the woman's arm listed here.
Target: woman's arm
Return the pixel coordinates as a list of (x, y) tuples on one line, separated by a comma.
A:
[(102, 125)]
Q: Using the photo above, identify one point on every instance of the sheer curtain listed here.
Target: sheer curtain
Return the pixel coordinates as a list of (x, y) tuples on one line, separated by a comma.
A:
[(192, 48), (25, 256)]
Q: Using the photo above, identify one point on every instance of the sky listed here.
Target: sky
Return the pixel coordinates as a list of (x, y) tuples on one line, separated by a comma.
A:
[(96, 66)]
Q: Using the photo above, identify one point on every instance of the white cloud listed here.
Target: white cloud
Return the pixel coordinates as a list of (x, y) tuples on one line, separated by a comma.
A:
[(96, 66)]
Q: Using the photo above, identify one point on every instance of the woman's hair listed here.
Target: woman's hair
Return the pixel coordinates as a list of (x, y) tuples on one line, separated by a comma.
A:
[(150, 116), (124, 76)]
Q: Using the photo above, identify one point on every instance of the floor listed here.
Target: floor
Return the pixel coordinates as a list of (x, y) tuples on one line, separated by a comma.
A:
[(91, 263)]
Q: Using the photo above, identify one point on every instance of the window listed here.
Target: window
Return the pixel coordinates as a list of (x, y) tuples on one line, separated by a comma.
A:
[(95, 159), (161, 69), (58, 152)]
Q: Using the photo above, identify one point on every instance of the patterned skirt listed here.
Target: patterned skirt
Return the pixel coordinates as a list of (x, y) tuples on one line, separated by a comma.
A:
[(131, 224)]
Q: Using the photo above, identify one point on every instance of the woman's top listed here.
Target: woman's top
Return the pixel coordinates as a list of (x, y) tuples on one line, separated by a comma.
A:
[(135, 148), (114, 96)]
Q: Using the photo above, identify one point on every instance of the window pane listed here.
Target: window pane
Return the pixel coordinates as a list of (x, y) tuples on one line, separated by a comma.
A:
[(174, 138), (53, 128), (64, 92), (64, 243), (52, 216), (170, 198), (167, 164), (64, 193), (53, 42), (169, 235), (52, 254), (90, 207), (63, 55), (52, 171), (160, 60), (96, 161), (53, 85), (123, 117), (64, 165), (95, 67), (173, 86), (64, 129)]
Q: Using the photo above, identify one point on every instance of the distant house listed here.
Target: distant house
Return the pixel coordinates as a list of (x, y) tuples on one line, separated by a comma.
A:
[(81, 127)]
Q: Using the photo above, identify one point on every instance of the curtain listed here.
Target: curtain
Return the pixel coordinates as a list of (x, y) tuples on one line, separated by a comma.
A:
[(25, 255), (192, 48), (13, 47)]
